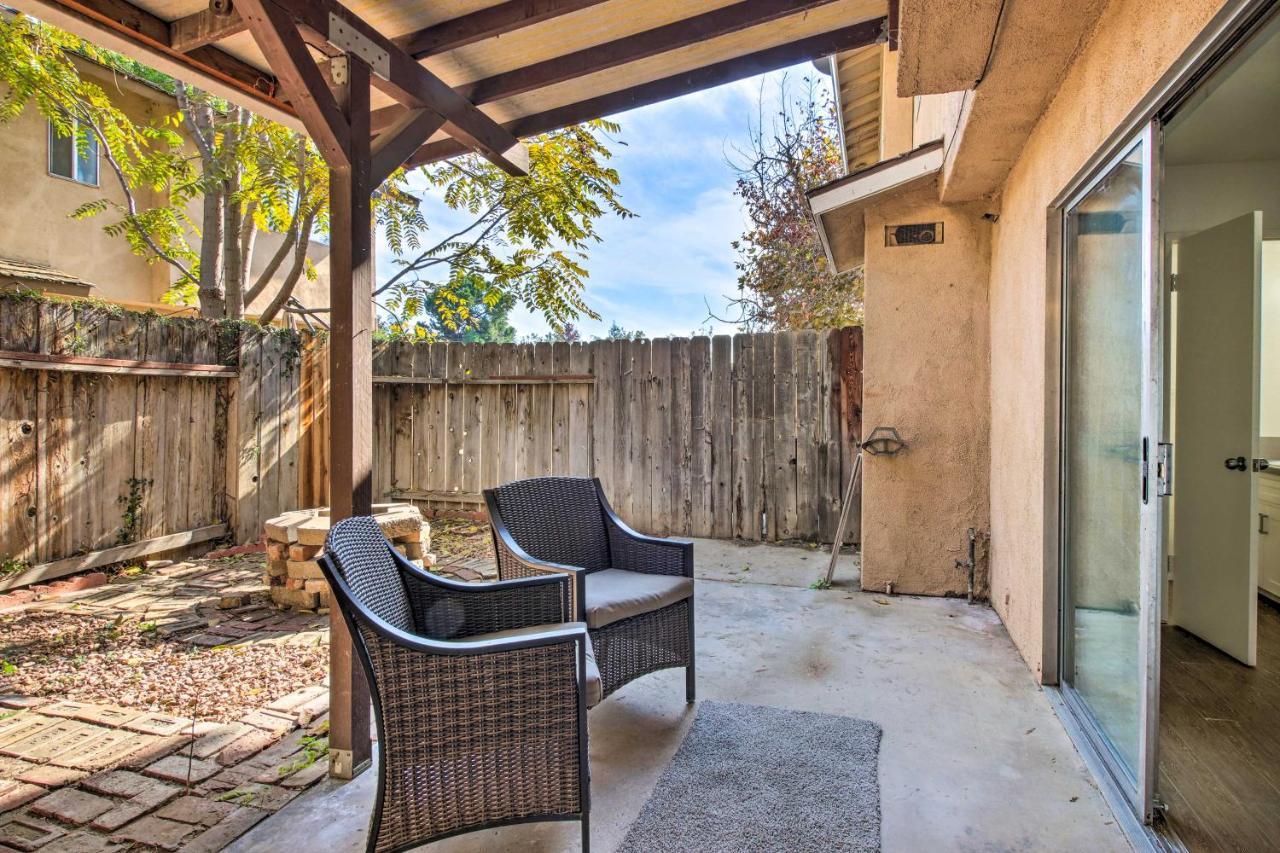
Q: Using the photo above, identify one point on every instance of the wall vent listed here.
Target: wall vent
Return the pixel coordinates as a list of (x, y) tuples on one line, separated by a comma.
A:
[(919, 234)]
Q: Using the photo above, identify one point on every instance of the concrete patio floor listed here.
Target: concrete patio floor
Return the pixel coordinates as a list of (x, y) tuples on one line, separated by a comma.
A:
[(973, 757)]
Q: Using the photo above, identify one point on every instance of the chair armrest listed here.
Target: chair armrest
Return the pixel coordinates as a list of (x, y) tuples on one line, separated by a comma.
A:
[(515, 562), (449, 609), (637, 552)]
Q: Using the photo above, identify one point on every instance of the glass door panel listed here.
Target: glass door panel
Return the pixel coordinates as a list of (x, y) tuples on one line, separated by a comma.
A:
[(1107, 501)]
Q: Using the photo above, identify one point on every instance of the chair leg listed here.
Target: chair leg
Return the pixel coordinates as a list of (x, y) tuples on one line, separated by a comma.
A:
[(586, 832), (690, 679)]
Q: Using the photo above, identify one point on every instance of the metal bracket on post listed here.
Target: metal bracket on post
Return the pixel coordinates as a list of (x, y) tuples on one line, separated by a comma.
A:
[(339, 70), (340, 765), (343, 36), (884, 441)]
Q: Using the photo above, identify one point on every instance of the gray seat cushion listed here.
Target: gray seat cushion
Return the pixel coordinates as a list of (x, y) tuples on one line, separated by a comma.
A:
[(617, 594), (594, 687)]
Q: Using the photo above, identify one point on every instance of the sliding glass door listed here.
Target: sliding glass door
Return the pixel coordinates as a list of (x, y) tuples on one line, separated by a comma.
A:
[(1110, 414)]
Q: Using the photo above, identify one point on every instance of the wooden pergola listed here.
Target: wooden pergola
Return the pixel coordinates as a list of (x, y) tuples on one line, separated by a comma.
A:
[(381, 83)]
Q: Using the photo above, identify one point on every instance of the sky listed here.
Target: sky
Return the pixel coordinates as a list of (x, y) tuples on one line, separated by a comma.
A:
[(658, 272)]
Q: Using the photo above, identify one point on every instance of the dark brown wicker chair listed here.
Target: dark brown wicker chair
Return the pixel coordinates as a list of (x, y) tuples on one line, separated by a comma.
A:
[(480, 693), (634, 592)]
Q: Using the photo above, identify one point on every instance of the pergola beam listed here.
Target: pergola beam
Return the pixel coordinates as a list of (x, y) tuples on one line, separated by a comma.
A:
[(350, 397), (278, 37), (207, 26), (334, 106), (210, 25), (141, 27), (486, 23), (699, 28), (399, 75), (398, 142), (715, 74)]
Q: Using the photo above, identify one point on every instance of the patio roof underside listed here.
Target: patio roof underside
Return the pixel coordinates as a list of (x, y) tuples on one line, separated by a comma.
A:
[(531, 65)]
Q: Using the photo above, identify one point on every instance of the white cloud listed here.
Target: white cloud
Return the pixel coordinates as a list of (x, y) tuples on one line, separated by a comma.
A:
[(659, 272)]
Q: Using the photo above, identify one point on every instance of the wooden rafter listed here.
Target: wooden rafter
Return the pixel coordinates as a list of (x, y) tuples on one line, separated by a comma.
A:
[(208, 26), (398, 142), (715, 74), (408, 82), (142, 27), (205, 27), (486, 23), (277, 36), (632, 48)]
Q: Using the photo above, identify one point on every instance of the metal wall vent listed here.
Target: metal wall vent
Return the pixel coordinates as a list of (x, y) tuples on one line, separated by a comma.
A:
[(920, 234)]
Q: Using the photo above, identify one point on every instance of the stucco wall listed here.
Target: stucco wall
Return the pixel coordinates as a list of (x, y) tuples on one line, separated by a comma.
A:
[(1135, 42), (925, 372), (895, 113), (35, 208)]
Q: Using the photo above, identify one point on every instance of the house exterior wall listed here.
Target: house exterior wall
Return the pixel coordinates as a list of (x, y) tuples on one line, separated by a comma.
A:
[(895, 113), (925, 370), (1135, 43), (35, 208), (36, 224)]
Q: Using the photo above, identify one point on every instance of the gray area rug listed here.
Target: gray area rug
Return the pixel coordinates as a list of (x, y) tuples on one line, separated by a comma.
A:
[(750, 779)]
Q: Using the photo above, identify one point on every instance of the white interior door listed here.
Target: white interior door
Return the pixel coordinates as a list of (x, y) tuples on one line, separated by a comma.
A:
[(1216, 431)]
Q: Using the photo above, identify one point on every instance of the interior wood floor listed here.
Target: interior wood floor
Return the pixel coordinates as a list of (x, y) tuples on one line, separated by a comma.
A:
[(1220, 741)]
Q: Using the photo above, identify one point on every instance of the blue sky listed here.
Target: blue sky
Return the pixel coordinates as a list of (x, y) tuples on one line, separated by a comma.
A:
[(658, 271)]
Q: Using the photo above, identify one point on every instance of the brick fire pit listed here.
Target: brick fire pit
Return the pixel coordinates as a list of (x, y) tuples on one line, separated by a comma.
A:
[(296, 539)]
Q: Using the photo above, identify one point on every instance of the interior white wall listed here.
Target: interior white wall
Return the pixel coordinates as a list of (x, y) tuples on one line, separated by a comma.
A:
[(1197, 197), (1270, 420)]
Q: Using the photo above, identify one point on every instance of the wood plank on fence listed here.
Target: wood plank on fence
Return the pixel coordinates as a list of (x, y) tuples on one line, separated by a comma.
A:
[(721, 414), (745, 436)]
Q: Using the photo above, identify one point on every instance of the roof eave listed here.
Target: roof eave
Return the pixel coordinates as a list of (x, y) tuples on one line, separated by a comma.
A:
[(839, 207)]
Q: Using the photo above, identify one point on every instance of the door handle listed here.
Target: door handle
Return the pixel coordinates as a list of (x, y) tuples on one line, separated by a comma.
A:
[(1265, 464), (1237, 463)]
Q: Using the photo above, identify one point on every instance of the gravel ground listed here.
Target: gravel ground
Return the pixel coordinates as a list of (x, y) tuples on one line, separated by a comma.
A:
[(460, 539), (123, 662)]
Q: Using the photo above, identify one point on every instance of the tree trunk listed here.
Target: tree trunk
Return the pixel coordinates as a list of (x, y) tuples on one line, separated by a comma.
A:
[(232, 214), (213, 302), (295, 272)]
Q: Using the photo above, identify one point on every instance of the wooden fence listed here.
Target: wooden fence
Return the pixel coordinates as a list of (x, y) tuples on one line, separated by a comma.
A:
[(747, 436), (123, 435), (120, 434)]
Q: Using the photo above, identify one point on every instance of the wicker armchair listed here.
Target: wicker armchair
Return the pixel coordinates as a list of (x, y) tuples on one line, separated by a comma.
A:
[(480, 693), (634, 592)]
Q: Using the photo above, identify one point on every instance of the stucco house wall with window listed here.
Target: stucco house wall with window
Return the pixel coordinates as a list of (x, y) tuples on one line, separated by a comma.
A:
[(1011, 149), (36, 226)]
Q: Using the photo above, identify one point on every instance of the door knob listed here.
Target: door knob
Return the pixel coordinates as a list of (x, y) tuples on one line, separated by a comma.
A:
[(1237, 463)]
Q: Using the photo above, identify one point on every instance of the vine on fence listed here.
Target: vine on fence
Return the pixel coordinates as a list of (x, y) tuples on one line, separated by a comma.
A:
[(132, 516)]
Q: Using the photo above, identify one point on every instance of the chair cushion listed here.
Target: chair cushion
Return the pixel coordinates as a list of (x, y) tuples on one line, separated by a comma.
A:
[(617, 594), (595, 688)]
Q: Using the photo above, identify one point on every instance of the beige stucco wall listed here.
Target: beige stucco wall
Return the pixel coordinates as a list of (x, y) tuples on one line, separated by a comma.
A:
[(895, 113), (35, 208), (1136, 42), (926, 373)]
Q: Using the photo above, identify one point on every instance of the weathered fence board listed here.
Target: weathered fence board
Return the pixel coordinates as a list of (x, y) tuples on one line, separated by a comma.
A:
[(749, 436), (740, 436), (122, 429)]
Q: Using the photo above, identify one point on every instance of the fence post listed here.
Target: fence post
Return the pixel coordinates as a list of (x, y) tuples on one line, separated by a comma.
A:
[(851, 420)]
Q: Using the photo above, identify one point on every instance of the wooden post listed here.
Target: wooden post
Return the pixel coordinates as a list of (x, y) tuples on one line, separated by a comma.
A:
[(351, 398), (338, 119)]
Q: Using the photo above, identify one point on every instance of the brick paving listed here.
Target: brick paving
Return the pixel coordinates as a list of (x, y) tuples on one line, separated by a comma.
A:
[(81, 776)]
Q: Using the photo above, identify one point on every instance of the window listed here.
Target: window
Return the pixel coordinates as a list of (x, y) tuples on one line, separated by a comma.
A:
[(74, 157)]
